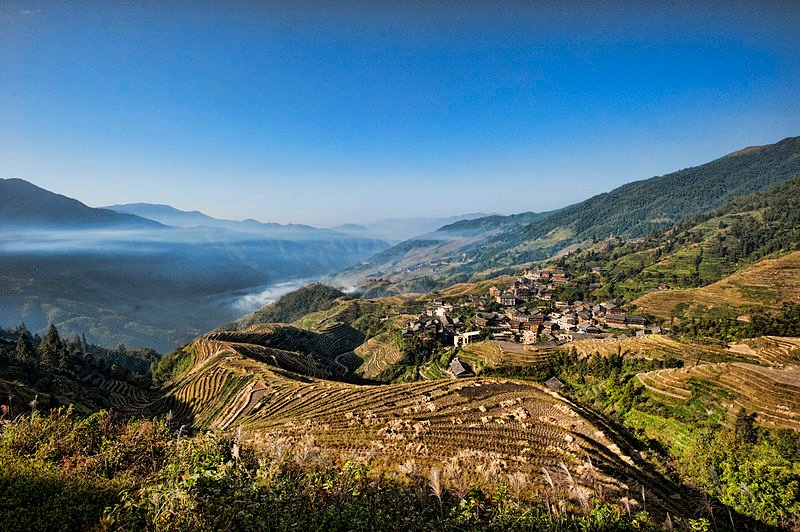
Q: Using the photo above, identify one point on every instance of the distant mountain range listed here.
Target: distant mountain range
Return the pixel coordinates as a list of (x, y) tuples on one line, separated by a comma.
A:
[(152, 275), (24, 205), (396, 230), (169, 215), (470, 249), (122, 278)]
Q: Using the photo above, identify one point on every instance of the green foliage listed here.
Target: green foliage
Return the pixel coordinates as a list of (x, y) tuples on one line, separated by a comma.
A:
[(59, 372), (61, 473), (294, 305), (745, 470), (728, 329), (701, 249), (52, 351), (24, 351), (170, 366)]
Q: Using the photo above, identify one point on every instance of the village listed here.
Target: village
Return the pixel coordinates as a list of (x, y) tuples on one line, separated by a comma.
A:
[(525, 312)]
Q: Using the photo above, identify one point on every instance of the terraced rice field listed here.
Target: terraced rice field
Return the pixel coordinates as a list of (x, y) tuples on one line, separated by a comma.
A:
[(479, 423), (378, 354), (350, 310), (655, 347), (492, 353), (341, 338), (772, 393), (770, 350), (127, 398), (478, 288), (767, 283)]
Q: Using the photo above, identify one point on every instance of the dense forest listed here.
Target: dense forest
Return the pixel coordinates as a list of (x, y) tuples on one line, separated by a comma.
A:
[(633, 210), (57, 372)]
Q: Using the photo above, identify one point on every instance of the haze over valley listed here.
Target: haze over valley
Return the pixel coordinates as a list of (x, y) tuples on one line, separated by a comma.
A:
[(120, 278)]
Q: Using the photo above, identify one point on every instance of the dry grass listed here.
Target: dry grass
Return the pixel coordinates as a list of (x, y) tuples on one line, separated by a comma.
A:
[(770, 350), (653, 347), (477, 288), (378, 354), (490, 353)]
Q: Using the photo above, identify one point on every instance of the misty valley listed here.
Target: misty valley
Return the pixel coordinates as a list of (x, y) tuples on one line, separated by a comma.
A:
[(144, 284)]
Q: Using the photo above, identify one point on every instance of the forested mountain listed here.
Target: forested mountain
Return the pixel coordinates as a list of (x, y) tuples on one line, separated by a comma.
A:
[(699, 250), (294, 305), (23, 204), (459, 251)]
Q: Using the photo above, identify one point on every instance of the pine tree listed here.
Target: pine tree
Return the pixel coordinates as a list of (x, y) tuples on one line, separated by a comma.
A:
[(50, 348), (24, 351)]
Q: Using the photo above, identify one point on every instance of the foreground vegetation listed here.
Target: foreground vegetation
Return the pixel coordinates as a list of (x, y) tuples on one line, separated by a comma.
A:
[(101, 473), (736, 465)]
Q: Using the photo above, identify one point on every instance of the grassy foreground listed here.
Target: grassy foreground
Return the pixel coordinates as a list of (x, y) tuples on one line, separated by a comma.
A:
[(100, 473)]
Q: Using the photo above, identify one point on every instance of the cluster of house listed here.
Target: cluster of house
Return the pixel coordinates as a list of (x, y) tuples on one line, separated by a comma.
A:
[(565, 323), (533, 284), (435, 323), (562, 322)]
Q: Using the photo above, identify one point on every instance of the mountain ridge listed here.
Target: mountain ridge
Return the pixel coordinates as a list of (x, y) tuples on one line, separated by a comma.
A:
[(120, 278), (465, 249), (26, 205), (172, 216)]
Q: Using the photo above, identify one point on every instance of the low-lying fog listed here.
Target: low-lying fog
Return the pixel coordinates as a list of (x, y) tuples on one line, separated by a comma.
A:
[(157, 287), (263, 295)]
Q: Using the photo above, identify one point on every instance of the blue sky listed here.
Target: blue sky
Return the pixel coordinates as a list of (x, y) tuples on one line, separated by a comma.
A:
[(327, 115)]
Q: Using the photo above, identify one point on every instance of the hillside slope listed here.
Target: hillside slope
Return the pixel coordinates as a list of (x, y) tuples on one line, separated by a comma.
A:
[(458, 252), (294, 305), (503, 425), (766, 284), (698, 251), (25, 205)]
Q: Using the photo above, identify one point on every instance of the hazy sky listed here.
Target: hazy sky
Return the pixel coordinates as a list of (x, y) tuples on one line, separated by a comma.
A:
[(325, 115)]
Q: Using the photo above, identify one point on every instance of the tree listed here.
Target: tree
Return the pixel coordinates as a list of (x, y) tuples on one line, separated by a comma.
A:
[(24, 351), (51, 348), (744, 427)]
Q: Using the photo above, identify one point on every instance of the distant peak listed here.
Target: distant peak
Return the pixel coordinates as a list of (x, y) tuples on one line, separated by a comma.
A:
[(750, 150), (791, 142)]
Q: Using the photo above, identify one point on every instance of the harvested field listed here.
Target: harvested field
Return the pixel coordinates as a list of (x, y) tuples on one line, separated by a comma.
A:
[(513, 426), (766, 284), (378, 354), (490, 353), (772, 393), (654, 346), (770, 350)]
